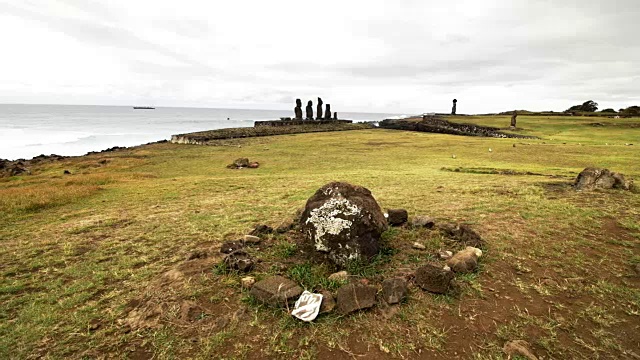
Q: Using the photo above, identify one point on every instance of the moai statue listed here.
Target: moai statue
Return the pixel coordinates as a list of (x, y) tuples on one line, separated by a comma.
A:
[(327, 112), (335, 116), (309, 110), (513, 119), (453, 110), (319, 109), (298, 109)]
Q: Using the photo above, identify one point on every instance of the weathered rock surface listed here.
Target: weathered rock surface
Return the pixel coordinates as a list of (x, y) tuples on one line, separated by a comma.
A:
[(309, 110), (394, 290), (248, 282), (339, 276), (344, 221), (253, 165), (434, 279), (298, 109), (435, 124), (418, 246), (239, 260), (445, 255), (261, 230), (423, 221), (397, 217), (276, 290), (594, 178), (231, 246), (328, 302), (354, 297), (462, 233), (251, 240), (518, 348), (465, 260), (319, 109)]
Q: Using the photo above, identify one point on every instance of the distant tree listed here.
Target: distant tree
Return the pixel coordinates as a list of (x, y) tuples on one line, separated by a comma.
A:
[(630, 111), (587, 106), (609, 110)]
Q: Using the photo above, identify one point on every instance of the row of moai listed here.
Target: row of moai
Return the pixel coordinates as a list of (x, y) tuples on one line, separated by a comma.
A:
[(309, 110)]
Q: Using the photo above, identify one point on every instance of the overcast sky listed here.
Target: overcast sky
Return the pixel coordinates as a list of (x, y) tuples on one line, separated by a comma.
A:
[(401, 56)]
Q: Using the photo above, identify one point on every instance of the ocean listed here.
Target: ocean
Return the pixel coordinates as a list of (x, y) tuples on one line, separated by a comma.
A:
[(71, 130)]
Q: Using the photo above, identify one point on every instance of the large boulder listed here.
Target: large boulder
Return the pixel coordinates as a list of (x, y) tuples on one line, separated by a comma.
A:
[(594, 178), (344, 221)]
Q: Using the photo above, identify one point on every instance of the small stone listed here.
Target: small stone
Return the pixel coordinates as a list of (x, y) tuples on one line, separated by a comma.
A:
[(239, 260), (196, 254), (465, 260), (251, 240), (354, 297), (394, 290), (261, 230), (248, 282), (397, 217), (445, 255), (453, 156), (417, 245), (94, 324), (328, 302), (67, 172), (637, 267), (423, 221), (434, 279), (276, 290), (339, 276), (253, 165), (231, 246), (241, 162), (518, 348), (462, 233)]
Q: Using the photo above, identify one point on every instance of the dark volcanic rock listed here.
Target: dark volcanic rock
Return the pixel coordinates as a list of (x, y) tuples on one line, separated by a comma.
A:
[(309, 110), (344, 221), (462, 233), (231, 246), (327, 112), (328, 302), (397, 217), (298, 109), (593, 178), (435, 124), (434, 279), (261, 230), (276, 290), (354, 297), (423, 221), (239, 260), (394, 290), (319, 109)]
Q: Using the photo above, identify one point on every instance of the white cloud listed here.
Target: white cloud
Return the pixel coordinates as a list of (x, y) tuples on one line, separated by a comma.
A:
[(388, 56)]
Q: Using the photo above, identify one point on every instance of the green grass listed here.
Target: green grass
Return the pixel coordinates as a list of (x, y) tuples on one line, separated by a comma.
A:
[(80, 248)]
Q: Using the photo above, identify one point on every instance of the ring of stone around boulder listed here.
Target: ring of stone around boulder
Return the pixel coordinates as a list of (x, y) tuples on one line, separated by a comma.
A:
[(354, 297), (434, 278), (276, 290), (394, 290)]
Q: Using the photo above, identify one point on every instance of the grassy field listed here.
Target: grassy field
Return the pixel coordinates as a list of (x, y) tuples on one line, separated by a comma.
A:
[(80, 252)]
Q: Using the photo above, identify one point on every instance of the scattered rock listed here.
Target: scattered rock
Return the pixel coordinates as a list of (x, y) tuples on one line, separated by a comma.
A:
[(434, 279), (248, 282), (276, 290), (241, 162), (463, 233), (465, 260), (394, 290), (66, 172), (344, 222), (354, 297), (417, 245), (423, 221), (285, 227), (231, 246), (328, 302), (397, 217), (94, 324), (339, 276), (518, 348), (445, 255), (594, 178), (196, 254), (239, 260), (251, 240), (254, 165), (261, 230)]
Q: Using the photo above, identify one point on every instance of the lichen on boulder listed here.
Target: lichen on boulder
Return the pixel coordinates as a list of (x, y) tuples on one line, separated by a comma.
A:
[(343, 221)]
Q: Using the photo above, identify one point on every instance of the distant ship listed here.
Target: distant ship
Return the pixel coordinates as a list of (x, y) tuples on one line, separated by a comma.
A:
[(143, 108)]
